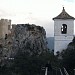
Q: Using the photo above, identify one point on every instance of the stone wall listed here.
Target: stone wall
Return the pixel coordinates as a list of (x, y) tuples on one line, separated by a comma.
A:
[(4, 27)]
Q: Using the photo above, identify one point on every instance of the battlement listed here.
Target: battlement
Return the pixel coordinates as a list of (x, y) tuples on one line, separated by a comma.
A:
[(5, 20)]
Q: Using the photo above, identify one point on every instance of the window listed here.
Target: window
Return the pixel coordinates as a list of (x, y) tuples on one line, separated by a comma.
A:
[(64, 29), (5, 36)]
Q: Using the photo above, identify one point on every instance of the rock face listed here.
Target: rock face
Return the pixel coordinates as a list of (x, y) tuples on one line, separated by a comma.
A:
[(29, 38), (24, 38)]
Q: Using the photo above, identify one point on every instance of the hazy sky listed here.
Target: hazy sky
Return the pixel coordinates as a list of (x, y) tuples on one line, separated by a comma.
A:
[(39, 12)]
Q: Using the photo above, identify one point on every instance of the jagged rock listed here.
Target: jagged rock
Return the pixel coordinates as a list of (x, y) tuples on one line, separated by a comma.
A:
[(29, 38), (24, 38)]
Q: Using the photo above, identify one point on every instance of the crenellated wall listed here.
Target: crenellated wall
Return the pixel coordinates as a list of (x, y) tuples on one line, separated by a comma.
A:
[(5, 25)]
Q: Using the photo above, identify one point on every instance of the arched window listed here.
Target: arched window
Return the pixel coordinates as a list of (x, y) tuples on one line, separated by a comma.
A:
[(64, 29)]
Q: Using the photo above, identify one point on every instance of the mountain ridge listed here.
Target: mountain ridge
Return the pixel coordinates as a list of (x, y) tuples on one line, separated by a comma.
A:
[(50, 44)]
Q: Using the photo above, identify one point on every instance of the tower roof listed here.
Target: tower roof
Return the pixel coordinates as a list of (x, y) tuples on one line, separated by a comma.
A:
[(63, 15)]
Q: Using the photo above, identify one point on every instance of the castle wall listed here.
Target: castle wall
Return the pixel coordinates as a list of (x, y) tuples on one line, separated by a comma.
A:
[(4, 23)]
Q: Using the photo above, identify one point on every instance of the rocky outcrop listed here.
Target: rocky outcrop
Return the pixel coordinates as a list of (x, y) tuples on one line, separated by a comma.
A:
[(25, 38), (29, 38)]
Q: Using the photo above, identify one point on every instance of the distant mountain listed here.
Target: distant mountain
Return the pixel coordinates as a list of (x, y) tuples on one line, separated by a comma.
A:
[(50, 41)]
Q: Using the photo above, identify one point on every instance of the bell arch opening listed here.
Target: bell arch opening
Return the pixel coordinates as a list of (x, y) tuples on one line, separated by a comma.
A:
[(64, 29)]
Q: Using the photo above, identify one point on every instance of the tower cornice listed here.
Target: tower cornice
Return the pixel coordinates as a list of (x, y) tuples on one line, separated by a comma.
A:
[(64, 15)]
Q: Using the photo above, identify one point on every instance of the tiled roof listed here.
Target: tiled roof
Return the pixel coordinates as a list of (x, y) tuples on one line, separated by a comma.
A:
[(63, 15)]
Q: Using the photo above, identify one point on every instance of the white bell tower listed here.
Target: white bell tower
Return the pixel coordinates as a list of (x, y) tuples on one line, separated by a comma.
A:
[(63, 31)]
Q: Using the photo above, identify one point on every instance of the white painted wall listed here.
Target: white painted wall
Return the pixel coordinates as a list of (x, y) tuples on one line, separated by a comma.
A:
[(61, 45), (58, 23), (62, 40)]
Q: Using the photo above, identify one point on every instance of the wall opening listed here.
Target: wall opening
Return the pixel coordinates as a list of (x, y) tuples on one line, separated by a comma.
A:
[(64, 29), (5, 36)]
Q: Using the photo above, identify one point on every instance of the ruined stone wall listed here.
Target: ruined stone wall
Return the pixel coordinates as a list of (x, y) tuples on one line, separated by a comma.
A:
[(4, 27)]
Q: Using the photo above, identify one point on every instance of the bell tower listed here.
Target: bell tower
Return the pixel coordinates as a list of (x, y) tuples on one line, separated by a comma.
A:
[(63, 30)]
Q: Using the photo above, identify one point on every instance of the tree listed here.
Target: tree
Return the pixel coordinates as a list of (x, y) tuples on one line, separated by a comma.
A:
[(27, 64), (68, 57)]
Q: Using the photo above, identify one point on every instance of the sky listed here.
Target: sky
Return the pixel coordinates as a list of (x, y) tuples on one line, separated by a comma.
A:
[(39, 12)]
